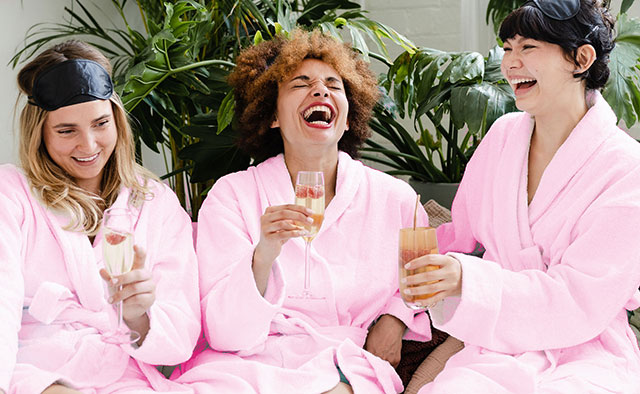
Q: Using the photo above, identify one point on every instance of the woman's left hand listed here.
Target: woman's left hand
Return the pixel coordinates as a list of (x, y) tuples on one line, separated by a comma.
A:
[(442, 282), (137, 294), (385, 339)]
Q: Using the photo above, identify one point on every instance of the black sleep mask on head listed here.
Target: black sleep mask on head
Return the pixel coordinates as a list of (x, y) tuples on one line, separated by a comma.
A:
[(560, 10), (71, 82)]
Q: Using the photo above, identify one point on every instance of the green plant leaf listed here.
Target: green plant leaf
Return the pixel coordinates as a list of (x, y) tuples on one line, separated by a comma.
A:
[(626, 4), (478, 105), (226, 111), (468, 66), (214, 157), (621, 90)]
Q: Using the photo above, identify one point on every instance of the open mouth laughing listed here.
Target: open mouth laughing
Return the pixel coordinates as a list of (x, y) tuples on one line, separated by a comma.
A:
[(521, 85), (319, 115)]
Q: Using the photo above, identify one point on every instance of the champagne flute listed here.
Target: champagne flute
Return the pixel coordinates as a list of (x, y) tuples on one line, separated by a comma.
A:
[(117, 251), (310, 194)]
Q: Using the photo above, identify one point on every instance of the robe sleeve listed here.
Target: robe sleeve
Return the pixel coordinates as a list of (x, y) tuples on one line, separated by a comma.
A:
[(11, 284), (175, 315), (417, 322), (235, 315), (457, 234), (571, 303)]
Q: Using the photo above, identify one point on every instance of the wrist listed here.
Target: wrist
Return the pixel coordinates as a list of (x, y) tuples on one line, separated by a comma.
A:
[(262, 259), (141, 325), (392, 323)]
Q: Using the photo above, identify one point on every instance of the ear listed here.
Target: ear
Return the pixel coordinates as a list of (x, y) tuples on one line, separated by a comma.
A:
[(275, 123), (585, 56)]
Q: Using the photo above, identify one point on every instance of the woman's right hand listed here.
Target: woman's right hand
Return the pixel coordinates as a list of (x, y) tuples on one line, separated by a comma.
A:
[(278, 224), (59, 389)]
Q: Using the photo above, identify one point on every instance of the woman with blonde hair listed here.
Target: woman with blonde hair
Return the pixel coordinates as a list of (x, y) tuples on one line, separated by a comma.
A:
[(77, 159)]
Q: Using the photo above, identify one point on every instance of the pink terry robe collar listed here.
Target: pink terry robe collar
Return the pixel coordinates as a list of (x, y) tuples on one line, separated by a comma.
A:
[(79, 255), (518, 245)]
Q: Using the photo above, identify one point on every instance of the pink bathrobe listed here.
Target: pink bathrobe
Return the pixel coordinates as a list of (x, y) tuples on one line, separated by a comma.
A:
[(545, 309), (280, 345), (53, 300)]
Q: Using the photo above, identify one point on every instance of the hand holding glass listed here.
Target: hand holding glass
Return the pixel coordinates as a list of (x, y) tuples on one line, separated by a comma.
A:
[(415, 242), (117, 251), (310, 194)]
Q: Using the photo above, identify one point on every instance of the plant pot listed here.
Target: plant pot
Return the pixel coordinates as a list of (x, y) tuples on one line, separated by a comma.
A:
[(443, 193)]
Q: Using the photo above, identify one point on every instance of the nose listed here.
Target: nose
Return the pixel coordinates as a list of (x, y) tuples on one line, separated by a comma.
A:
[(86, 142), (511, 61), (320, 90)]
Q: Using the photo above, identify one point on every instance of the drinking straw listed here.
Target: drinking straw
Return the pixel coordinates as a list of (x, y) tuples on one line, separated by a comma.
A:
[(415, 212)]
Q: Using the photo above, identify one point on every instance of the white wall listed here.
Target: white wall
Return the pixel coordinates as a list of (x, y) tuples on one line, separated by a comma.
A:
[(443, 24), (15, 19)]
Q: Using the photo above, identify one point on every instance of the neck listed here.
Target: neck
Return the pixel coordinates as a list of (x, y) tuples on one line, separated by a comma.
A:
[(554, 126), (92, 186), (314, 161)]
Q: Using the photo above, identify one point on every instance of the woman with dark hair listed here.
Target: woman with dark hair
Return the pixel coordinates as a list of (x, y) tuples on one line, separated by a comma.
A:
[(57, 300), (553, 195), (303, 104)]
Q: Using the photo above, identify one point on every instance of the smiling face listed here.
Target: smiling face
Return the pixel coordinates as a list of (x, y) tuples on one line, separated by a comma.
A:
[(80, 139), (312, 107), (539, 74)]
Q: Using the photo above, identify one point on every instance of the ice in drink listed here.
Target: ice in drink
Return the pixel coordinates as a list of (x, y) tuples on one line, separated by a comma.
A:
[(415, 242)]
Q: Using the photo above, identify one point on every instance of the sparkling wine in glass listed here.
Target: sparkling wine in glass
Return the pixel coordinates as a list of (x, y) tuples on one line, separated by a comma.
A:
[(310, 194), (117, 252)]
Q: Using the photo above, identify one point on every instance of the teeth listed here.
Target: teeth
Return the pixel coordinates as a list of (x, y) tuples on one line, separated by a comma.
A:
[(321, 108), (319, 122), (86, 158), (518, 81)]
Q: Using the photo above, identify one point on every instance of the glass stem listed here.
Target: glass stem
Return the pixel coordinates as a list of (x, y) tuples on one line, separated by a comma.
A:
[(307, 279), (119, 312)]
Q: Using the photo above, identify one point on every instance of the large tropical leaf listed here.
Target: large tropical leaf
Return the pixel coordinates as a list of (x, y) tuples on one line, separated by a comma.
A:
[(622, 90)]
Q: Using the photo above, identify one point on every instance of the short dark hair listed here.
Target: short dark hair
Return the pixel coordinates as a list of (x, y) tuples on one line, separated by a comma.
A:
[(262, 67), (592, 25)]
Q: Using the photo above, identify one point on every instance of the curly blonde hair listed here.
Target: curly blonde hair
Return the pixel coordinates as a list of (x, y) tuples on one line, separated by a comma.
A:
[(261, 68), (52, 184)]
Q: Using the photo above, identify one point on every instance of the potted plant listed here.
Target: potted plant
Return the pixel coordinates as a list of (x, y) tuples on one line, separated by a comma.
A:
[(172, 75), (451, 98), (443, 103)]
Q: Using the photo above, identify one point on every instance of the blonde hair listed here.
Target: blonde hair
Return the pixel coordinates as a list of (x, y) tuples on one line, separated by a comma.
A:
[(53, 185)]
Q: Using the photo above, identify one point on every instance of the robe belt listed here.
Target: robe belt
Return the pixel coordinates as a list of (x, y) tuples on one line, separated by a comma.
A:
[(292, 326), (53, 302)]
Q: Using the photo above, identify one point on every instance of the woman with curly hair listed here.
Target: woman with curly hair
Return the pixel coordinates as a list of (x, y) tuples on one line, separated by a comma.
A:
[(553, 195), (303, 104), (58, 314)]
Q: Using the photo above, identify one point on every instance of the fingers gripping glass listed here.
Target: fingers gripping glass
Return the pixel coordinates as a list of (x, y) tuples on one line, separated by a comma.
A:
[(560, 10), (117, 251), (310, 194)]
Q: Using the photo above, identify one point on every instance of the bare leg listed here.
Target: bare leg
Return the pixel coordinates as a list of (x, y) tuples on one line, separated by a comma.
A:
[(341, 388), (59, 389)]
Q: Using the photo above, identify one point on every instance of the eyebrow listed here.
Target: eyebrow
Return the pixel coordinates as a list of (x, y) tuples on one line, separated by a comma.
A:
[(62, 125), (306, 79)]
